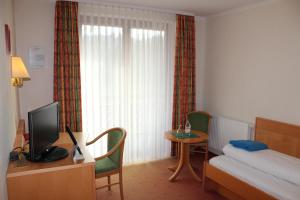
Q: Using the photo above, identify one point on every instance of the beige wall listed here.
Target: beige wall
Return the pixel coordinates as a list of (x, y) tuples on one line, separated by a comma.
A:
[(8, 100), (253, 62), (35, 28)]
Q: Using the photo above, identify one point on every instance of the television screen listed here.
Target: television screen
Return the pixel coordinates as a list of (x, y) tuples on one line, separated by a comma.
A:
[(43, 129)]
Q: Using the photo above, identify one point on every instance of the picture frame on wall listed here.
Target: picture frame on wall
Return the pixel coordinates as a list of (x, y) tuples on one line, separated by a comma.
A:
[(7, 39), (37, 57)]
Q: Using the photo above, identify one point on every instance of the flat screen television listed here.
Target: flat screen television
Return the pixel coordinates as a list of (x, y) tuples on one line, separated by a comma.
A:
[(43, 126)]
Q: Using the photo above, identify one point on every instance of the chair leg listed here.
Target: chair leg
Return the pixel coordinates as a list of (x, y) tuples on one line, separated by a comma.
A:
[(206, 153), (121, 185), (108, 180)]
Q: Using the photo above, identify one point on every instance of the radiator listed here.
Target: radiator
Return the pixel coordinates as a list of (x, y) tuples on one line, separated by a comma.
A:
[(224, 129)]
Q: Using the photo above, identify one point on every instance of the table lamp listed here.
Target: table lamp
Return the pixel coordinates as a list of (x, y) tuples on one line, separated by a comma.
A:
[(19, 71)]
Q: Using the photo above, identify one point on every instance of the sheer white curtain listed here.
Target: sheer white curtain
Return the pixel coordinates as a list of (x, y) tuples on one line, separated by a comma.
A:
[(127, 77)]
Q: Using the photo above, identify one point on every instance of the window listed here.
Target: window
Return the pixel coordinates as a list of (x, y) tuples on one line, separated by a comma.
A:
[(127, 80)]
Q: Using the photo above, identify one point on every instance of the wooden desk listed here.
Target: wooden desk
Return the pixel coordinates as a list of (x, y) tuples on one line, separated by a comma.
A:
[(184, 157), (62, 179)]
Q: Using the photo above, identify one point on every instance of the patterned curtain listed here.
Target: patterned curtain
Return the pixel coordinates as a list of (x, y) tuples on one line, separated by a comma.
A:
[(184, 75), (67, 88)]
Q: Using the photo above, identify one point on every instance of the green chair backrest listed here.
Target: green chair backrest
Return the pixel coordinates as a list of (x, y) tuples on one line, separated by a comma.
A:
[(199, 121), (113, 138)]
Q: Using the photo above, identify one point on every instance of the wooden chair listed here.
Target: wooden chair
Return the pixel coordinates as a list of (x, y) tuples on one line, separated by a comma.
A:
[(200, 121), (111, 163)]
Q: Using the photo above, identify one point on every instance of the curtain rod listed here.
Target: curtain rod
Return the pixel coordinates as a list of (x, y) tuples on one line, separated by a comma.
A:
[(135, 6)]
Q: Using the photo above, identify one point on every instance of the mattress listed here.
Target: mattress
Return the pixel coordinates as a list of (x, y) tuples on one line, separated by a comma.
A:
[(278, 164), (268, 183)]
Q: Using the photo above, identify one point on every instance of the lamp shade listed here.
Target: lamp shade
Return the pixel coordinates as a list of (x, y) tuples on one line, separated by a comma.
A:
[(18, 68)]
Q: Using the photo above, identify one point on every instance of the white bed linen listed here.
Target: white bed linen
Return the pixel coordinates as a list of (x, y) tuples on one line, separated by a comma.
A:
[(272, 185), (273, 162)]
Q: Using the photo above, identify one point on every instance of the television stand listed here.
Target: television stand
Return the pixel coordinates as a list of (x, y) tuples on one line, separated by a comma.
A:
[(53, 153)]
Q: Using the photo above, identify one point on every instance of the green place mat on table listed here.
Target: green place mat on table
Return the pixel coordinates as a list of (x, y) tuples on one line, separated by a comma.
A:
[(184, 135)]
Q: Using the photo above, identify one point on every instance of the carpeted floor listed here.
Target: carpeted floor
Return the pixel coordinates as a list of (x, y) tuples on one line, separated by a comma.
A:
[(149, 181)]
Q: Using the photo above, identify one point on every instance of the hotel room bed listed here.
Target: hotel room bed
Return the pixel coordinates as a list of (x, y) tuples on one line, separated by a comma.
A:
[(265, 174), (270, 184), (269, 161)]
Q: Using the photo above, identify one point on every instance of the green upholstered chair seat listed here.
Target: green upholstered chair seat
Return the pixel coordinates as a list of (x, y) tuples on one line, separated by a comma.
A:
[(105, 165)]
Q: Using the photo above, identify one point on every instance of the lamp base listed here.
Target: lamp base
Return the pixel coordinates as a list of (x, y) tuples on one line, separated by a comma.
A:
[(17, 82)]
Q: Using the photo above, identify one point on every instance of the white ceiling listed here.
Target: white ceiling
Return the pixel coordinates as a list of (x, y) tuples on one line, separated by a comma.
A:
[(197, 7)]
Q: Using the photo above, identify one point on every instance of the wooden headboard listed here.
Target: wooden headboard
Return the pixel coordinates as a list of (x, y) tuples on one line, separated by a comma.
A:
[(279, 136)]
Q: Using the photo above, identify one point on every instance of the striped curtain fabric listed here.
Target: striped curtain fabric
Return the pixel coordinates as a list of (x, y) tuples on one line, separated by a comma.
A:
[(184, 74), (67, 88)]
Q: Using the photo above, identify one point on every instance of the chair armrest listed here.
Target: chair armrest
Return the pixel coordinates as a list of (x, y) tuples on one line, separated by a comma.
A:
[(121, 141), (111, 151), (97, 138)]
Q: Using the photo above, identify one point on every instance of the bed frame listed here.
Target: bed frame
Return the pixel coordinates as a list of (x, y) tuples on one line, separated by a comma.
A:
[(278, 136)]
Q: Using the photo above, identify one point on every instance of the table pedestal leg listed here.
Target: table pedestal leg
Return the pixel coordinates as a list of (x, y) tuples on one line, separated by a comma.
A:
[(180, 163), (183, 160), (173, 168), (194, 173)]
